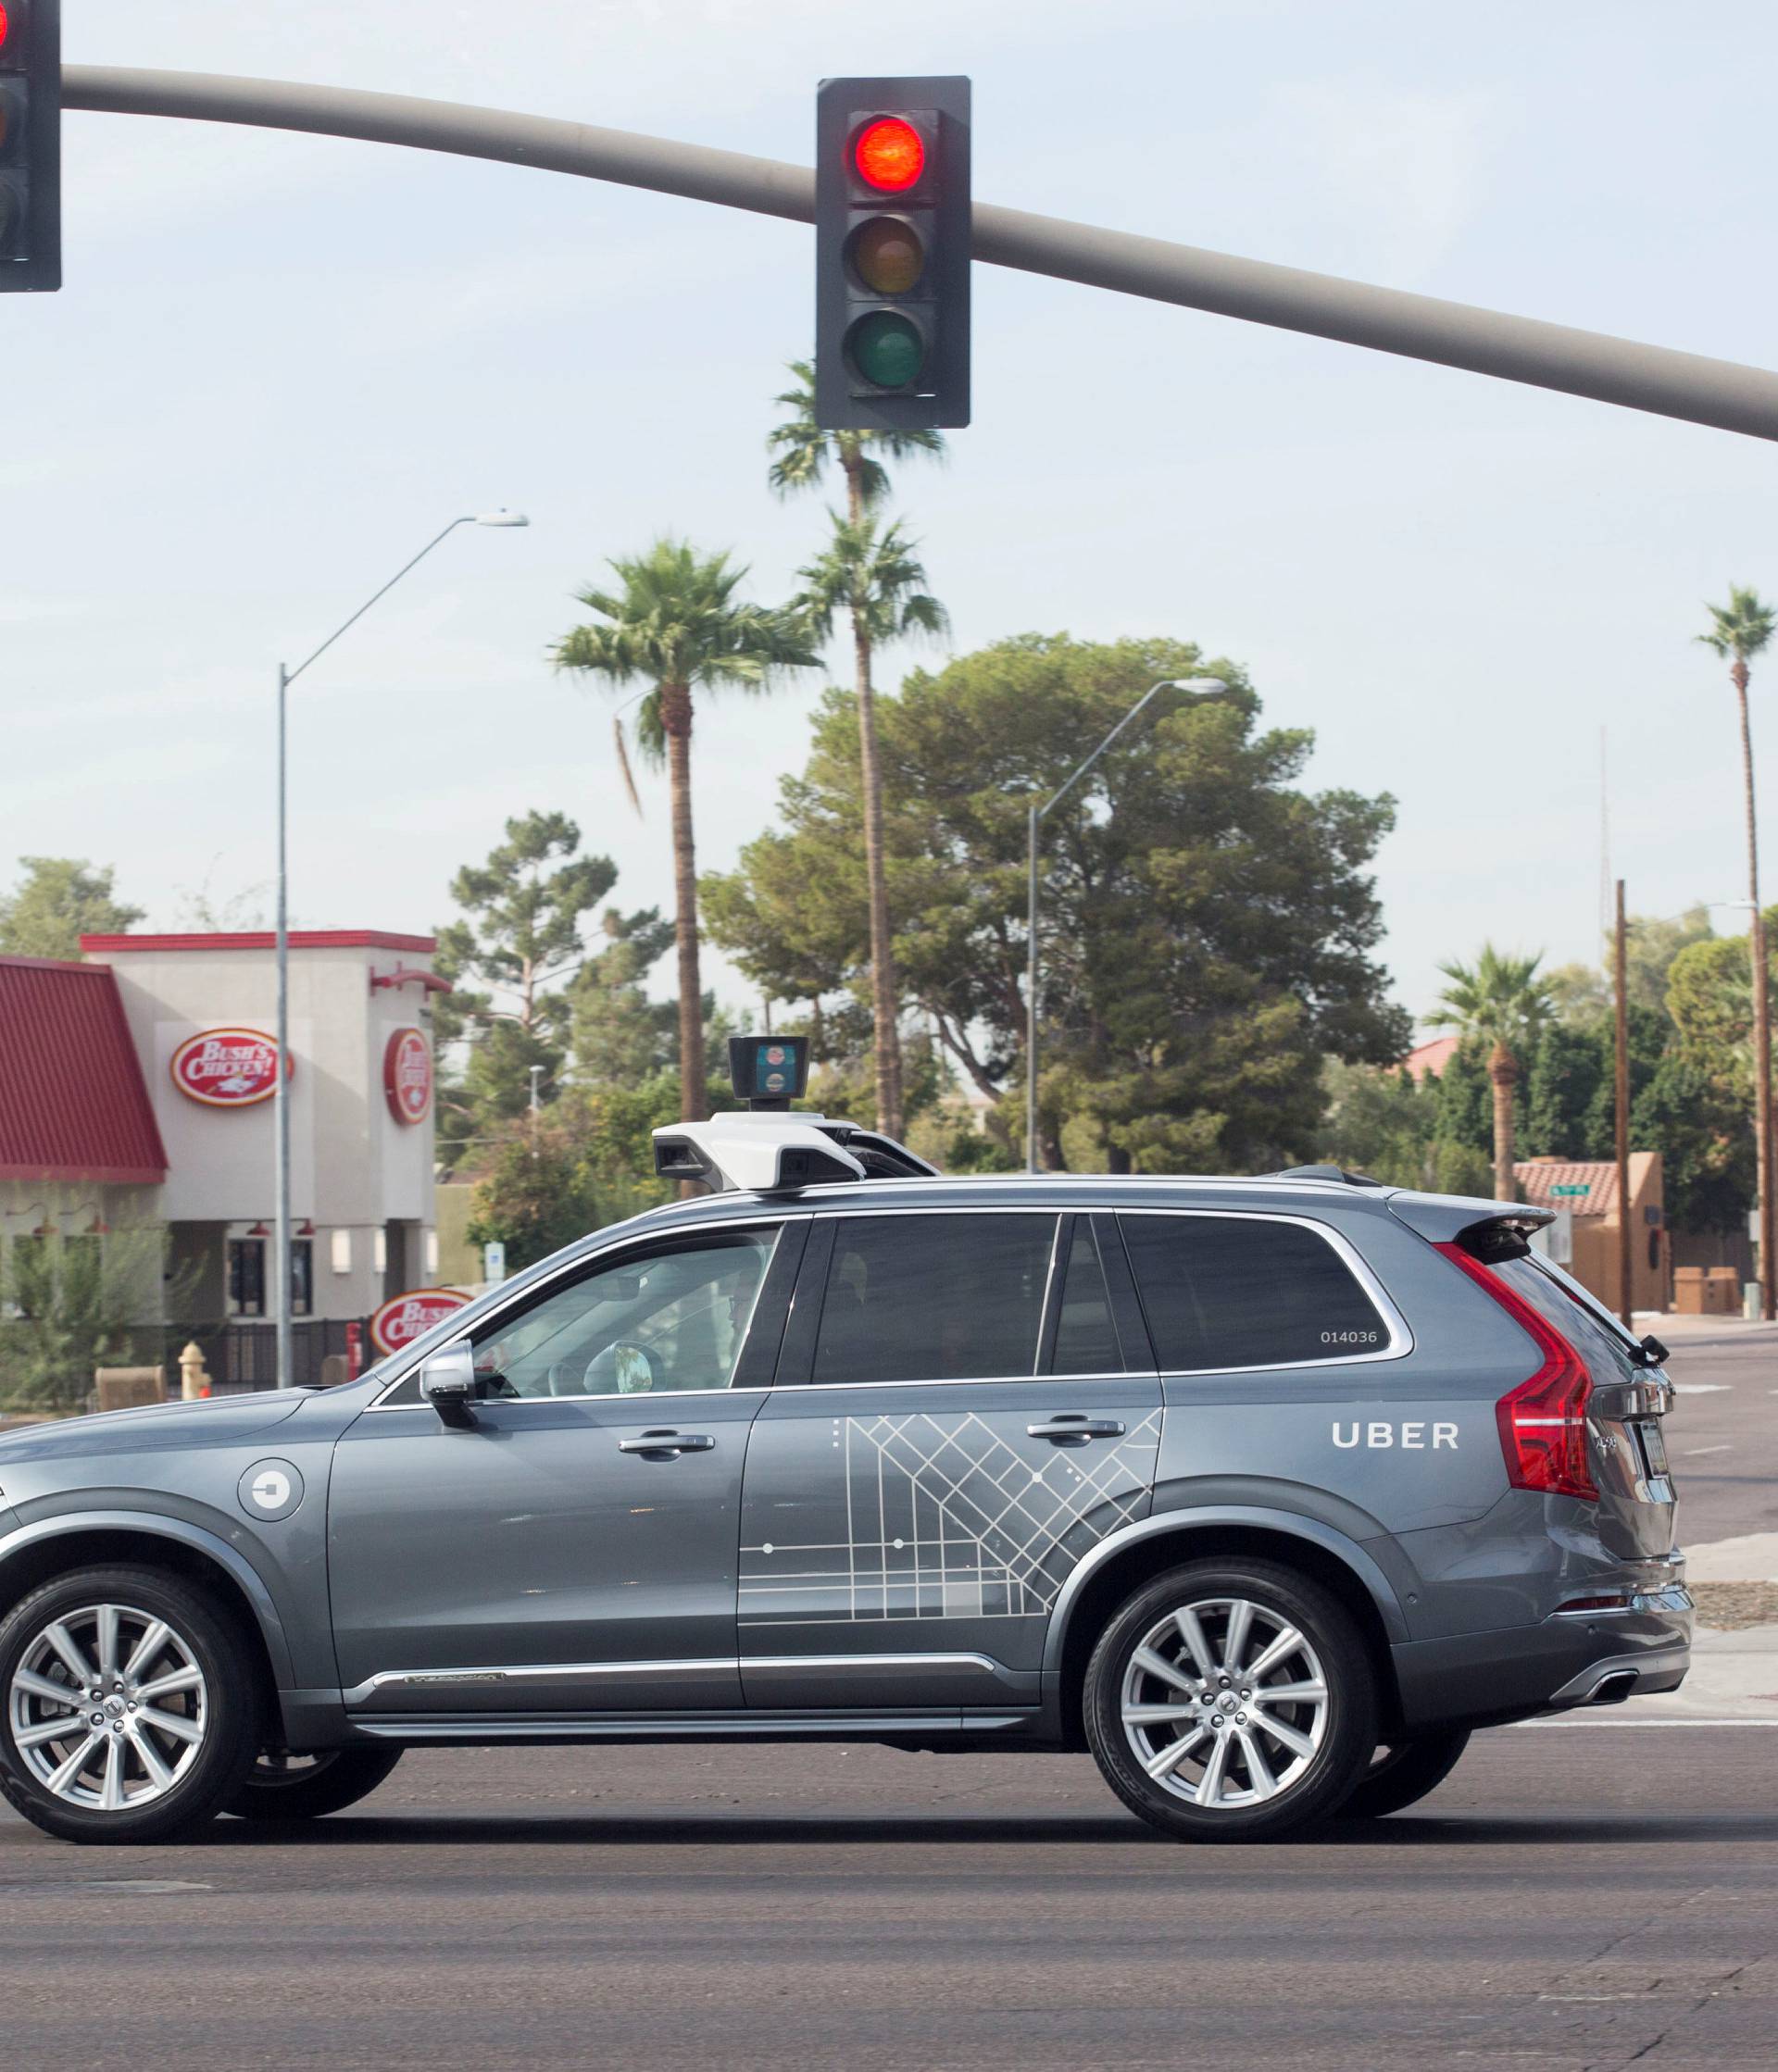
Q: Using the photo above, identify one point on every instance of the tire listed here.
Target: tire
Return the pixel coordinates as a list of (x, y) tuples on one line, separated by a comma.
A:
[(157, 1745), (1244, 1780), (280, 1787), (1404, 1772)]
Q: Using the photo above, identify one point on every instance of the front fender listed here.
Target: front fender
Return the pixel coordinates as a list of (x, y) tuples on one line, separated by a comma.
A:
[(1382, 1593), (160, 1526)]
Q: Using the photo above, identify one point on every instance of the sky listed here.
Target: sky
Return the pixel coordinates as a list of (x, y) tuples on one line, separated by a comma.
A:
[(280, 363)]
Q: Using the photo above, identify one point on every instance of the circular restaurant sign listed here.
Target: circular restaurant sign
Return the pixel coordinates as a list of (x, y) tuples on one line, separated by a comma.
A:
[(403, 1319), (407, 1075), (227, 1067)]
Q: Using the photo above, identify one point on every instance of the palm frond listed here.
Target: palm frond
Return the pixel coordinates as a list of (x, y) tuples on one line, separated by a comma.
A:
[(624, 770)]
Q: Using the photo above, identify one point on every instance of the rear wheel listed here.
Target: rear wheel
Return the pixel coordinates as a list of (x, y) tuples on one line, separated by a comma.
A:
[(1404, 1772), (1232, 1701), (131, 1705), (281, 1785)]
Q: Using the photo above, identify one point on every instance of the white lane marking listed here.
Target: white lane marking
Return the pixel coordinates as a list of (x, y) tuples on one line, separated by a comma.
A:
[(1691, 1452), (1519, 1724), (1705, 1387)]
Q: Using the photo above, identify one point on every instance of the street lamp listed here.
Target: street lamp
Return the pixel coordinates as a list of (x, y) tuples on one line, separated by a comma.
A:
[(1196, 690), (281, 1092)]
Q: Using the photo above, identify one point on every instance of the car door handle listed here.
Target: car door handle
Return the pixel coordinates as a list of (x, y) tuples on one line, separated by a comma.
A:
[(668, 1443), (1065, 1428)]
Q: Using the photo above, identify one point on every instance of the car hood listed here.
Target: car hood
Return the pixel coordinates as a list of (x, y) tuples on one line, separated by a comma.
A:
[(217, 1420)]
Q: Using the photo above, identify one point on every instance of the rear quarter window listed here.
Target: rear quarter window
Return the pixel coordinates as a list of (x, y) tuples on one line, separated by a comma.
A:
[(1234, 1292)]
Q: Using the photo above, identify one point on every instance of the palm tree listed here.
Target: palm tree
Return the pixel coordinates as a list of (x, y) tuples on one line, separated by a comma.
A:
[(874, 573), (1740, 630), (1502, 1000), (675, 622), (803, 450)]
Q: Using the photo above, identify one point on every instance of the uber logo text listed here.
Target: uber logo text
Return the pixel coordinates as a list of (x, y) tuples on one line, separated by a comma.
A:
[(1413, 1436)]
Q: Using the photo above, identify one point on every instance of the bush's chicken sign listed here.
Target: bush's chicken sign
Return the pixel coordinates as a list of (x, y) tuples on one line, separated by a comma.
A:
[(407, 1075), (403, 1318), (227, 1068)]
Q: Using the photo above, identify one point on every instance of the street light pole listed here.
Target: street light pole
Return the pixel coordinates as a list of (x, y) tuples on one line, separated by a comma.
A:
[(281, 1084), (1196, 690)]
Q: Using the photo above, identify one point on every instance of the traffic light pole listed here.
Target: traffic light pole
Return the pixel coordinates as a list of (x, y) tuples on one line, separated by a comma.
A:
[(1617, 370)]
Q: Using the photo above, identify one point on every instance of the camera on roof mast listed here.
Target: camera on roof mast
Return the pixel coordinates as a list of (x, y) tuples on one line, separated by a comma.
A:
[(769, 1072)]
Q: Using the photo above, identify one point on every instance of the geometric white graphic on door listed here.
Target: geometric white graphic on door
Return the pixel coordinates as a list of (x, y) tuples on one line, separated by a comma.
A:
[(946, 1520)]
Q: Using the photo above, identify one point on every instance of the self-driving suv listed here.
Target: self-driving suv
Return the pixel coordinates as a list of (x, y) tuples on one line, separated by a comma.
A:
[(1267, 1491)]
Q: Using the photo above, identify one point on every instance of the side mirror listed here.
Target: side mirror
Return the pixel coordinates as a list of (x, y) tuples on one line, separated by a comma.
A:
[(447, 1383)]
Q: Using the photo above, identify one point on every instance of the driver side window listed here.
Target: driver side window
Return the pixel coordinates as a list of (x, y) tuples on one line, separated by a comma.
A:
[(676, 1318)]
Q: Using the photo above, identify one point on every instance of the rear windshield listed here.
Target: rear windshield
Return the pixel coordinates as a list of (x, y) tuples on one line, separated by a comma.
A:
[(1594, 1333)]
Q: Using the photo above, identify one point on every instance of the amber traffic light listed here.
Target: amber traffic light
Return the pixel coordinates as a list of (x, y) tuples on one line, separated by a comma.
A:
[(892, 253)]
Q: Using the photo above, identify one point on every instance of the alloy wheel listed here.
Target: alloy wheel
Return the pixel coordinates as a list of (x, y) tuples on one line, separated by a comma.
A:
[(1224, 1702), (107, 1707)]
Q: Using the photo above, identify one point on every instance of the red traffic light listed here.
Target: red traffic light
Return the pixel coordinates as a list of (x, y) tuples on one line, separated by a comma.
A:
[(889, 155)]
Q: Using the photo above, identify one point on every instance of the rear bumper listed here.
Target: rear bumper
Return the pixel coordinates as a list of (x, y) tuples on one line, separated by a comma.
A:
[(1484, 1680)]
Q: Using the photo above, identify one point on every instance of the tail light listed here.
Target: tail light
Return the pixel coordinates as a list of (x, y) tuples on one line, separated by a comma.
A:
[(1543, 1421)]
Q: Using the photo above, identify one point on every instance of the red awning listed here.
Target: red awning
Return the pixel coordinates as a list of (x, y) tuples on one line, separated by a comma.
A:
[(73, 1102)]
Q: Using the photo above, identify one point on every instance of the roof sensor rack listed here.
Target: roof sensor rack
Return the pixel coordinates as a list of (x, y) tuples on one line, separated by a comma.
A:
[(765, 1149)]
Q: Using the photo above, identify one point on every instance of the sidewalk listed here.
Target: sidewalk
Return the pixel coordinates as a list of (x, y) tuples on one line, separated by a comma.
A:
[(1735, 1668)]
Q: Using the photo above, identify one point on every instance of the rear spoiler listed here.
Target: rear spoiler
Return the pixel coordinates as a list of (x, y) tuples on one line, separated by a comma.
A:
[(1480, 1227)]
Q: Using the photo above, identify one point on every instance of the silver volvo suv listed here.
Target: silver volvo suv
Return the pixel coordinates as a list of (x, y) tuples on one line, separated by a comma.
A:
[(1265, 1491)]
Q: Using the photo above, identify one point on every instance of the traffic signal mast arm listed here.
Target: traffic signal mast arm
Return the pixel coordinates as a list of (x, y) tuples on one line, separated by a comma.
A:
[(1617, 370)]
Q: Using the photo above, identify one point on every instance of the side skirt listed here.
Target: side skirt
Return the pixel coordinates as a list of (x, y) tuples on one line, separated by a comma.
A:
[(905, 1728)]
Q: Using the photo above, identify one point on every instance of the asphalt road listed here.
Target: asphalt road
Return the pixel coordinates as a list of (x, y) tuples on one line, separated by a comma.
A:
[(1722, 1435), (1577, 1895)]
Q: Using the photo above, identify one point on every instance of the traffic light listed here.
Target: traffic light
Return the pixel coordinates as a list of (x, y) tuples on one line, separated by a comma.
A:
[(30, 144), (892, 253)]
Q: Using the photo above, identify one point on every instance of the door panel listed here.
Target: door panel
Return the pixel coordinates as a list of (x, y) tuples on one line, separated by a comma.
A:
[(905, 1535), (551, 1557), (533, 1544)]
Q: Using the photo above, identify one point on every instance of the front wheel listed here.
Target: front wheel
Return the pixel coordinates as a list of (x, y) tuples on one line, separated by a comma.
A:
[(281, 1786), (1232, 1701), (1402, 1774), (131, 1705)]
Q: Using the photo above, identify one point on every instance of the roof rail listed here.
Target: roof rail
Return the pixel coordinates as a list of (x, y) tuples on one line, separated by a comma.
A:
[(1327, 1172)]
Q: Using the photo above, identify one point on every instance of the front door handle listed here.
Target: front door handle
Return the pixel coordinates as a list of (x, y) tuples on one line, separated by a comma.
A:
[(664, 1442), (1068, 1428)]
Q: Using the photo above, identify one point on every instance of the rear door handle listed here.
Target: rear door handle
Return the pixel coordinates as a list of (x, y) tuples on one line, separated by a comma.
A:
[(668, 1443), (1067, 1426)]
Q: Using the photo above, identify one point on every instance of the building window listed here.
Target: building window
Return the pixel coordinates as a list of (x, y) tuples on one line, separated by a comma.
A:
[(341, 1244), (302, 1277), (380, 1251), (247, 1277), (431, 1254)]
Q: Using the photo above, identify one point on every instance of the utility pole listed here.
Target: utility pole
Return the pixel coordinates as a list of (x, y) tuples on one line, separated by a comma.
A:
[(1762, 1101), (1622, 961)]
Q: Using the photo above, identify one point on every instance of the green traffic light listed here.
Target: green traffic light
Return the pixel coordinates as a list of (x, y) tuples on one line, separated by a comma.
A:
[(886, 349)]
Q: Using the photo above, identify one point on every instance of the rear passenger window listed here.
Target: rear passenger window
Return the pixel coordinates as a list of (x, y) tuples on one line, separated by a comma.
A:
[(933, 1298), (1223, 1291)]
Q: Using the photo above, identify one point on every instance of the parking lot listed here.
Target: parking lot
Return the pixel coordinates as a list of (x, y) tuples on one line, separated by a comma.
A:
[(1594, 1892)]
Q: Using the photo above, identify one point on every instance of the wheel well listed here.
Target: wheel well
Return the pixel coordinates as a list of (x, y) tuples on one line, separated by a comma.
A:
[(1145, 1559), (45, 1559)]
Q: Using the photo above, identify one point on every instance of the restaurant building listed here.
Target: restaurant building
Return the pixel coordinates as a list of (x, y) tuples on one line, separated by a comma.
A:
[(136, 1090)]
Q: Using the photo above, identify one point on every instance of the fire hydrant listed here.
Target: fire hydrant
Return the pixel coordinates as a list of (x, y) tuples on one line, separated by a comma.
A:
[(193, 1376)]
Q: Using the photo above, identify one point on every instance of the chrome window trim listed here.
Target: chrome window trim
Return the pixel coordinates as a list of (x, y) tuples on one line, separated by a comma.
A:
[(576, 1268), (1401, 1334)]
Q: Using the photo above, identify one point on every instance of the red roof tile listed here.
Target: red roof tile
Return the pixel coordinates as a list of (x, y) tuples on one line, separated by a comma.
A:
[(263, 939), (1541, 1177), (73, 1103), (1428, 1060)]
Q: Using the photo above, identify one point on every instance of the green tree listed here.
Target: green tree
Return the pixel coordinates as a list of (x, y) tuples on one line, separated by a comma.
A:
[(66, 1304), (873, 574), (1706, 1157), (1562, 1084), (536, 1195), (1381, 1120), (517, 945), (620, 1035), (1209, 926), (876, 577), (802, 450), (56, 900), (675, 621), (1501, 1000)]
